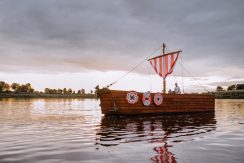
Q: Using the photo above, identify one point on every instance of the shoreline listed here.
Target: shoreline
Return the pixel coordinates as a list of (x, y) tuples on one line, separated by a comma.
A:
[(229, 94), (43, 95)]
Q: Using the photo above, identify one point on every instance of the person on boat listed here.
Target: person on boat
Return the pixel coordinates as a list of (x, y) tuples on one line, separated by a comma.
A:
[(169, 92), (177, 89)]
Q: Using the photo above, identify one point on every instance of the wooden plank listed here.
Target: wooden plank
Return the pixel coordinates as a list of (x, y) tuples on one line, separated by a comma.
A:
[(175, 98), (149, 109), (161, 108), (123, 103), (113, 95), (157, 111), (170, 103), (121, 93)]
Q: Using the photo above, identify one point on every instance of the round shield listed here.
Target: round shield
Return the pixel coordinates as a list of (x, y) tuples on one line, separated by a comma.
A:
[(158, 99), (146, 98), (132, 97)]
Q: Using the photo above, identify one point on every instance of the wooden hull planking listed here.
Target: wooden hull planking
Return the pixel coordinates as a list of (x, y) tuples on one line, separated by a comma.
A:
[(114, 102)]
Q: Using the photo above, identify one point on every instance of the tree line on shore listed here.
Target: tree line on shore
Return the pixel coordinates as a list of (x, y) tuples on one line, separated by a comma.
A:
[(27, 88), (234, 87), (235, 91)]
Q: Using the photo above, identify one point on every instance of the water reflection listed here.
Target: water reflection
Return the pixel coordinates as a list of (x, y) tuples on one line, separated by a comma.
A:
[(44, 109), (163, 131)]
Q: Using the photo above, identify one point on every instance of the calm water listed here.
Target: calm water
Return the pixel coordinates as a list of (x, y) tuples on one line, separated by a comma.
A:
[(73, 130)]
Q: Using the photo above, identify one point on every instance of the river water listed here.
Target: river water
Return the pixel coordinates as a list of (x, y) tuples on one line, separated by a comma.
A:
[(74, 130)]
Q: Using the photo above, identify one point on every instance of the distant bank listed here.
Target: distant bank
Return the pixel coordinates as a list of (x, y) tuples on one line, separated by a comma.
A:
[(16, 90), (235, 91), (44, 95), (229, 94)]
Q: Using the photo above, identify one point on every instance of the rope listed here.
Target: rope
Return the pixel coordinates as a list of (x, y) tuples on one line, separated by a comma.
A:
[(132, 69), (149, 77), (193, 78), (182, 73), (175, 77)]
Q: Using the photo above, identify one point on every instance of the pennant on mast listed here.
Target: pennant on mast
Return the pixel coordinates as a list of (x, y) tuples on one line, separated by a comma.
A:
[(164, 64)]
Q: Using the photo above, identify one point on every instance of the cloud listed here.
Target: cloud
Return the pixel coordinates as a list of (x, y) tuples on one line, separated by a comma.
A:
[(72, 36), (227, 83)]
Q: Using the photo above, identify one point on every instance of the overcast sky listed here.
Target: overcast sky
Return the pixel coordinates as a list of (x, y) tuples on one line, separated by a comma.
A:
[(78, 36)]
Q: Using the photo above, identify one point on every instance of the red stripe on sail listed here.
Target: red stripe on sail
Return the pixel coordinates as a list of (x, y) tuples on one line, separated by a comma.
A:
[(172, 60), (175, 59), (155, 65), (164, 69), (160, 66), (166, 65), (161, 150), (161, 158), (152, 63)]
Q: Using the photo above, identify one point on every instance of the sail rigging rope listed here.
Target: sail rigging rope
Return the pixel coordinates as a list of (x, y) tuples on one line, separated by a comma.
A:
[(132, 69), (204, 88), (182, 80), (149, 77), (175, 77)]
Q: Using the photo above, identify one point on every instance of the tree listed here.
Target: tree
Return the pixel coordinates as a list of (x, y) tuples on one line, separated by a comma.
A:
[(60, 91), (15, 87), (231, 87), (219, 88), (23, 88), (79, 92), (91, 91), (1, 85), (69, 91), (54, 91), (4, 87), (51, 91), (239, 86), (47, 90), (29, 88), (64, 91), (83, 91), (26, 88)]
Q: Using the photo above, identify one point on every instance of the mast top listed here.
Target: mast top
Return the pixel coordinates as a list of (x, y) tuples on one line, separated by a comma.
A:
[(164, 48)]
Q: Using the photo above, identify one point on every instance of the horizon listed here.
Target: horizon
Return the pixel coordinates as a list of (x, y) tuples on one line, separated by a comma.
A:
[(82, 44)]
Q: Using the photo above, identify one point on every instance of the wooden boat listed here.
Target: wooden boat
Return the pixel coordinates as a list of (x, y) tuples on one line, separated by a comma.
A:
[(115, 102)]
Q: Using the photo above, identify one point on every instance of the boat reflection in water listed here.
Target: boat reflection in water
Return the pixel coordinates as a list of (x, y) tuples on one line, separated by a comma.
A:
[(164, 131)]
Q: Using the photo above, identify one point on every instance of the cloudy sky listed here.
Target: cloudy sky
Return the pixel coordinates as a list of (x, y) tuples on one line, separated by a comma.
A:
[(79, 44)]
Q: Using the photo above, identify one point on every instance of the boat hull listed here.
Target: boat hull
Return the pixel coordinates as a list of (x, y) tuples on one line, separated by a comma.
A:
[(113, 102)]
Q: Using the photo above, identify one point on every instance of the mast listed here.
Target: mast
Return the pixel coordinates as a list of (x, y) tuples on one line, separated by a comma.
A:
[(164, 79)]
